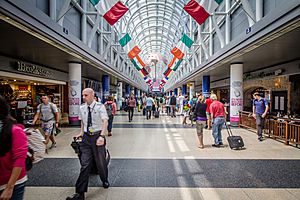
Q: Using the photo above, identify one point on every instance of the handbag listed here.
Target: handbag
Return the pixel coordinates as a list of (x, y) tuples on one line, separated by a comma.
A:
[(126, 108), (75, 145), (29, 159)]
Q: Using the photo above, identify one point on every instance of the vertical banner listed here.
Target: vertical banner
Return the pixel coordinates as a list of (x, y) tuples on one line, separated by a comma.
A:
[(119, 95), (236, 92), (127, 90), (105, 87), (206, 86), (74, 92), (184, 90)]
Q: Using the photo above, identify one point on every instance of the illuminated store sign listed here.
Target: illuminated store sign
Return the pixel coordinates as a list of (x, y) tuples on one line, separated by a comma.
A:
[(33, 69)]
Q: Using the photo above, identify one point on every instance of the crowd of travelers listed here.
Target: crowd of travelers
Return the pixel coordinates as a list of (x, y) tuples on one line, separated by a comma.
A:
[(205, 112)]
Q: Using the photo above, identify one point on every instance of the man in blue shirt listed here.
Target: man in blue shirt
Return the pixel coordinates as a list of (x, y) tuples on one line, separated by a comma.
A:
[(260, 109)]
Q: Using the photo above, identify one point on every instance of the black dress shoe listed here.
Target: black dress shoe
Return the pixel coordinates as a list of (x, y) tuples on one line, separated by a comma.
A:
[(220, 143), (215, 145), (106, 184), (76, 196)]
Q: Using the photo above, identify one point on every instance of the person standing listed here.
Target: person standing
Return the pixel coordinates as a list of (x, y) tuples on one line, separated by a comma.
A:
[(93, 118), (200, 118), (173, 105), (13, 153), (111, 109), (48, 113), (260, 109), (131, 106), (217, 112), (208, 102), (180, 104)]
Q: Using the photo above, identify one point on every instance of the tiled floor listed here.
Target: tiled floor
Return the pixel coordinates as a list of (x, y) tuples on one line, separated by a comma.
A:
[(159, 159)]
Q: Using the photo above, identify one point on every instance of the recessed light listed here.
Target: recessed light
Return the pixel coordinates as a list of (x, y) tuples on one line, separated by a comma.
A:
[(15, 80)]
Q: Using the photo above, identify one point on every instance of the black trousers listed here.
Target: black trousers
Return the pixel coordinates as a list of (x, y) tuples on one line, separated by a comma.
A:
[(130, 113), (91, 152)]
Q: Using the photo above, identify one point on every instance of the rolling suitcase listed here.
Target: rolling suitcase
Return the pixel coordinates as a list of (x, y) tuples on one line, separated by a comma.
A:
[(156, 114), (235, 142)]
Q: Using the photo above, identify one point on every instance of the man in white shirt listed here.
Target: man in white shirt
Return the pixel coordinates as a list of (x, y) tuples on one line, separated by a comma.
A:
[(94, 119), (180, 102)]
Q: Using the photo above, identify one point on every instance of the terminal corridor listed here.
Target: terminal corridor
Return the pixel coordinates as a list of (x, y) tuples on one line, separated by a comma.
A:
[(159, 159)]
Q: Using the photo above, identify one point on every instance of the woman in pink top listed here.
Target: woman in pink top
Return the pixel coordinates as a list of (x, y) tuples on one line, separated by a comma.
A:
[(131, 106), (13, 152)]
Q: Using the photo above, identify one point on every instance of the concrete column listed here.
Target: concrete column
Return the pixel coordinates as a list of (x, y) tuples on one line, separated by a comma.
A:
[(179, 90), (206, 86), (138, 93), (184, 90), (236, 92), (119, 95), (74, 92), (192, 90), (105, 87)]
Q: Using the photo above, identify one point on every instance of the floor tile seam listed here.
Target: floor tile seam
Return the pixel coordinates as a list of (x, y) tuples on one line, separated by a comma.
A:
[(119, 171), (243, 189), (292, 194)]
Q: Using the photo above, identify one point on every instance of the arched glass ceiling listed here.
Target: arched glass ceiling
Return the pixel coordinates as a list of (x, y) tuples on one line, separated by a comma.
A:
[(156, 25)]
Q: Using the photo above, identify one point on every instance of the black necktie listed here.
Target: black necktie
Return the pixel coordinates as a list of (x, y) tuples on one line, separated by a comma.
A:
[(89, 121)]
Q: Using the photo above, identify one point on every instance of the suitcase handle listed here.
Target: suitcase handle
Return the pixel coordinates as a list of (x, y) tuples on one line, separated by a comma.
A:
[(228, 130)]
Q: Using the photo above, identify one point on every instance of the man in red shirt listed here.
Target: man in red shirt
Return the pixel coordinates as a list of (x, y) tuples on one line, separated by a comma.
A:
[(217, 112), (208, 102)]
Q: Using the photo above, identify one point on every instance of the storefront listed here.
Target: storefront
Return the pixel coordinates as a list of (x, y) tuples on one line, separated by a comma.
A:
[(23, 84), (279, 85)]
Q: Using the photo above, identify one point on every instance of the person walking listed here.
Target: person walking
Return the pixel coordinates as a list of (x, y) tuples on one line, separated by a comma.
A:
[(93, 118), (48, 113), (217, 112), (149, 104), (111, 109), (260, 109), (200, 118), (13, 153), (131, 106)]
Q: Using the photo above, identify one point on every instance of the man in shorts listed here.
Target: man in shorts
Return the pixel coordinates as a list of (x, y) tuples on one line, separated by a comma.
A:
[(48, 113)]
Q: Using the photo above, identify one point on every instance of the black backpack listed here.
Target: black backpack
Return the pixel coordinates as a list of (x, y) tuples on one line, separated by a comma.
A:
[(108, 109)]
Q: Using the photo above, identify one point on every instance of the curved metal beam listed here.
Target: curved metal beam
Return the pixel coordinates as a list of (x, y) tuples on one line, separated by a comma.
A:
[(142, 22), (154, 16), (150, 35), (149, 27), (139, 9)]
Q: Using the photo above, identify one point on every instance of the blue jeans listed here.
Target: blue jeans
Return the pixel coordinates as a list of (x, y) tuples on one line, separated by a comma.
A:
[(216, 129), (110, 123), (18, 192)]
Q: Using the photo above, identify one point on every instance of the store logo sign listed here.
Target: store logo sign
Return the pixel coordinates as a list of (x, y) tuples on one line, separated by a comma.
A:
[(33, 69)]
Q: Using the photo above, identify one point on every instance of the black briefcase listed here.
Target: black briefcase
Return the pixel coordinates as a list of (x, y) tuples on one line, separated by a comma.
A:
[(235, 142)]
